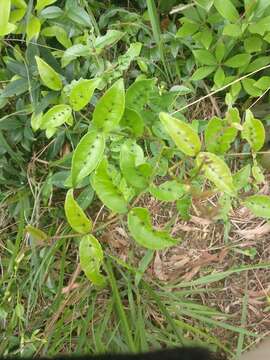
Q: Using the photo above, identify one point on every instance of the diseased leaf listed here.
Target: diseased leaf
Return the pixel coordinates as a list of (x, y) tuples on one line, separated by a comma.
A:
[(219, 135), (138, 94), (110, 108), (168, 191), (82, 93), (76, 216), (108, 193), (140, 227), (217, 171), (133, 121), (91, 259), (48, 75), (242, 177), (259, 205), (184, 136), (87, 155), (56, 116), (253, 131)]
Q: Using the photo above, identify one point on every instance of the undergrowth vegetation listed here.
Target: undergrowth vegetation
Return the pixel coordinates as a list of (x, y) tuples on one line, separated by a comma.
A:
[(129, 119)]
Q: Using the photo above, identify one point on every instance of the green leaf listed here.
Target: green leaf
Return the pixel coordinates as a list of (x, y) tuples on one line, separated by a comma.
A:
[(110, 38), (260, 26), (253, 44), (108, 193), (138, 94), (48, 75), (257, 173), (217, 171), (36, 120), (140, 227), (219, 136), (87, 155), (188, 28), (219, 77), (76, 216), (202, 72), (131, 164), (250, 88), (168, 191), (56, 116), (41, 4), (133, 121), (82, 92), (205, 37), (263, 83), (227, 10), (33, 28), (36, 233), (253, 131), (233, 30), (183, 206), (204, 57), (242, 177), (220, 51), (238, 60), (259, 205), (59, 33), (184, 136), (74, 52), (4, 11), (110, 108), (91, 259)]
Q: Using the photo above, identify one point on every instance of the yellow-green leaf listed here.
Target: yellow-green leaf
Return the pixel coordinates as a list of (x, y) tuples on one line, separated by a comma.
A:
[(140, 227), (87, 155), (259, 205), (76, 216), (33, 28), (82, 93), (184, 136), (253, 131), (36, 233), (56, 116), (41, 4), (91, 259), (48, 75), (217, 171)]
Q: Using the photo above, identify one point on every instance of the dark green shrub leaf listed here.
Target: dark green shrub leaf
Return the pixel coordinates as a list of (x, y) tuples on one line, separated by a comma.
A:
[(91, 259), (87, 155), (259, 205), (184, 136), (140, 227), (110, 108), (108, 193), (253, 131), (76, 216), (48, 75), (217, 171)]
